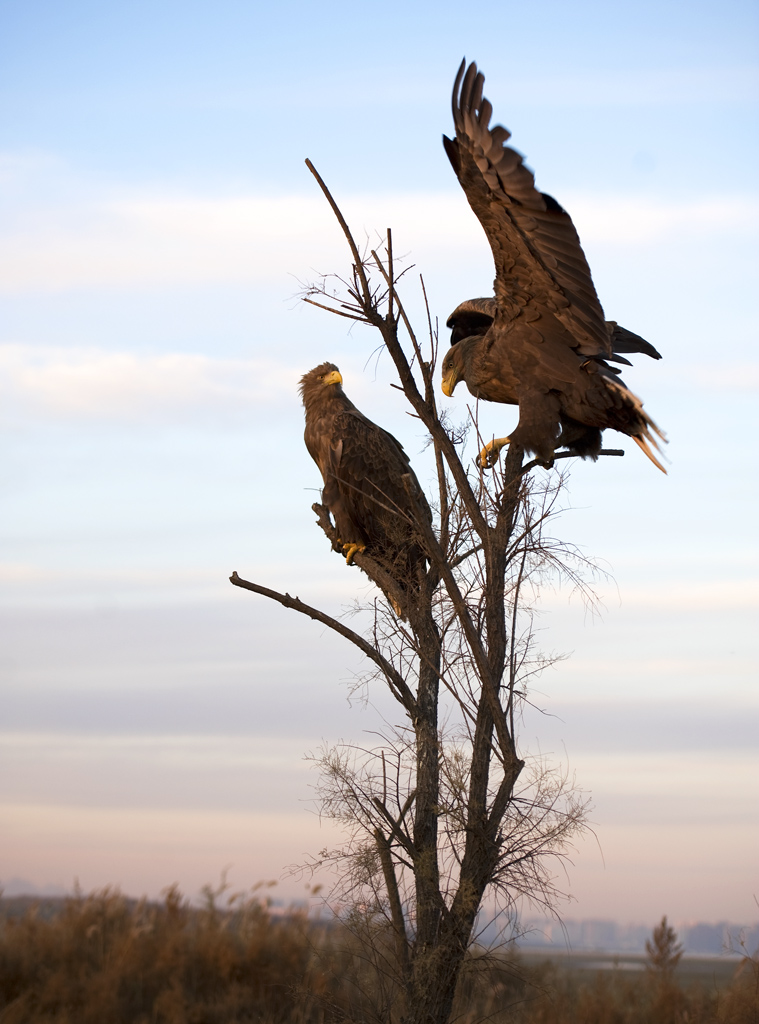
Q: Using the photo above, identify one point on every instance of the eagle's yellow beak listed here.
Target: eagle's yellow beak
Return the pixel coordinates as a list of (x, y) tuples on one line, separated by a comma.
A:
[(333, 378), (450, 380)]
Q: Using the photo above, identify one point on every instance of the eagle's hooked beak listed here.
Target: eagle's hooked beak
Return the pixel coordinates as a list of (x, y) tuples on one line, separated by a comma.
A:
[(334, 377), (450, 380)]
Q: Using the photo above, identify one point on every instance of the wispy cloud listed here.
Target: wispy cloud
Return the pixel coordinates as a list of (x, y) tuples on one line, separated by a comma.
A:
[(30, 585), (664, 668), (153, 240), (695, 595), (692, 596), (84, 384), (182, 843), (636, 220), (76, 383)]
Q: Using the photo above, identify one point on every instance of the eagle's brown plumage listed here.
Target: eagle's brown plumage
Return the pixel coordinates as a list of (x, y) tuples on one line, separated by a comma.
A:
[(542, 343), (363, 467)]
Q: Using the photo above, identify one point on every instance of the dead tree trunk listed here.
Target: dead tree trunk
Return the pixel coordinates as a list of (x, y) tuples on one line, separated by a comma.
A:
[(452, 827)]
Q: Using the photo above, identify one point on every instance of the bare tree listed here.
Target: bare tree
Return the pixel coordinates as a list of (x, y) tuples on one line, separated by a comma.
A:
[(439, 819)]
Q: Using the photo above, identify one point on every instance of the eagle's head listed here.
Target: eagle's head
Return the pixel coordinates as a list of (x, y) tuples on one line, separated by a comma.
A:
[(453, 369), (314, 383)]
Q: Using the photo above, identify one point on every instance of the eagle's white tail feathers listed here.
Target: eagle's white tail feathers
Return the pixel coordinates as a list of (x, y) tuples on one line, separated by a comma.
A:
[(645, 438), (642, 443)]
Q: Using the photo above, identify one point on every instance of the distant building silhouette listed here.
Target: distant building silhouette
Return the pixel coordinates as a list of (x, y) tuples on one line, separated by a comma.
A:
[(698, 939)]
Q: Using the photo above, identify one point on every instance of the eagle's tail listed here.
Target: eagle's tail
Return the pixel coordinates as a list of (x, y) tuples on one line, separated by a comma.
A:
[(644, 436), (630, 418), (643, 444)]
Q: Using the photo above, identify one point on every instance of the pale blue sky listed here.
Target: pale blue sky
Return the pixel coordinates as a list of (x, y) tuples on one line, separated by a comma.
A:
[(156, 219)]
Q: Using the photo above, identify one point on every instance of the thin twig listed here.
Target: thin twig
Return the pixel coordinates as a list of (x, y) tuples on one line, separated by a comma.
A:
[(358, 263), (401, 308), (391, 292), (337, 312)]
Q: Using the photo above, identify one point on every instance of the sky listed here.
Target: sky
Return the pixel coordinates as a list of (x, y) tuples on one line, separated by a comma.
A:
[(157, 226)]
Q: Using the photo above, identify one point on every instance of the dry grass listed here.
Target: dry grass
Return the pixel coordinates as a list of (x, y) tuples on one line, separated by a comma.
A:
[(560, 997), (104, 959)]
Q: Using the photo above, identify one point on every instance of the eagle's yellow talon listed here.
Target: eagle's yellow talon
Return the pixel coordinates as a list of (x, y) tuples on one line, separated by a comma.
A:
[(491, 452), (351, 549)]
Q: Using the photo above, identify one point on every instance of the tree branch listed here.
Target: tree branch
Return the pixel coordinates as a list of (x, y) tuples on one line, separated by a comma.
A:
[(395, 826), (619, 452), (489, 684), (337, 312), (395, 681), (396, 907), (363, 559)]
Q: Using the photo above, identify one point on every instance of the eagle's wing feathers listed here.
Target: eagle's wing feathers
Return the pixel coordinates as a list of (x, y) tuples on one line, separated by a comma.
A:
[(623, 340), (535, 245), (370, 472), (335, 454)]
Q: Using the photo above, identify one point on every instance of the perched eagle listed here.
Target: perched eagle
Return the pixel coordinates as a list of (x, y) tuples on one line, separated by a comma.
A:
[(542, 342), (363, 467)]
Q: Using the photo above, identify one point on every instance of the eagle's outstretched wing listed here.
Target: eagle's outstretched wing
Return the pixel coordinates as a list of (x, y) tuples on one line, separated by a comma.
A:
[(537, 252)]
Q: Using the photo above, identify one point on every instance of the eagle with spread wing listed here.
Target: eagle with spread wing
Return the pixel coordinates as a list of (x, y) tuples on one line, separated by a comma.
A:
[(542, 342), (369, 485)]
